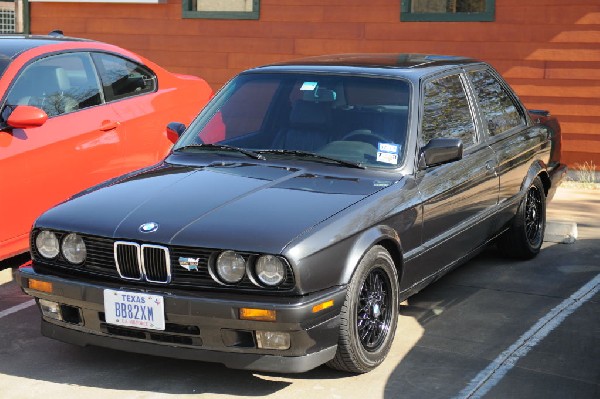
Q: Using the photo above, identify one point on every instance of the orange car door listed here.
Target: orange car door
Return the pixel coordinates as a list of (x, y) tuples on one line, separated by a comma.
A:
[(78, 146), (131, 89)]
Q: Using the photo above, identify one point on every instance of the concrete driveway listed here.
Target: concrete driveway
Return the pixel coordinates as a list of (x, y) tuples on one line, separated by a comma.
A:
[(494, 328)]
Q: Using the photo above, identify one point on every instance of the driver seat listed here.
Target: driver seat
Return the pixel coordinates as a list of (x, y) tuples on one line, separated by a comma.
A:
[(309, 128)]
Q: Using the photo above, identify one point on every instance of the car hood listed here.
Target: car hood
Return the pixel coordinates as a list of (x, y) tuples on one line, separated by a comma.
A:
[(245, 207)]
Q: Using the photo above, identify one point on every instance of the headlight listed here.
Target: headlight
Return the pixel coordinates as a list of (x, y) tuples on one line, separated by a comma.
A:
[(46, 244), (270, 270), (231, 267), (73, 248)]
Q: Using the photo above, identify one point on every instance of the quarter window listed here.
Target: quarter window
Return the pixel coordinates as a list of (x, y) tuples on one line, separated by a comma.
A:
[(446, 112), (123, 78), (59, 84), (498, 108)]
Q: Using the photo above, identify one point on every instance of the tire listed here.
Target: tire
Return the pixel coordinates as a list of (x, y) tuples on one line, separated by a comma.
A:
[(369, 314), (524, 238)]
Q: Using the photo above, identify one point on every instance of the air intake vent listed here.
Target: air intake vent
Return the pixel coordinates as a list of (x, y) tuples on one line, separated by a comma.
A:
[(143, 262), (127, 257), (156, 263)]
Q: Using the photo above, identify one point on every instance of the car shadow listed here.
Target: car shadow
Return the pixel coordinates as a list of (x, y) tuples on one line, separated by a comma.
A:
[(480, 309)]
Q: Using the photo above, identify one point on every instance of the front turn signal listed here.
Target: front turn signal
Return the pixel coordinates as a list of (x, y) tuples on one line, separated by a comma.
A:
[(257, 314), (42, 286)]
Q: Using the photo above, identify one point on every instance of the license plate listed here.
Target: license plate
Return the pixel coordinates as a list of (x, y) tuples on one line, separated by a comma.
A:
[(134, 309)]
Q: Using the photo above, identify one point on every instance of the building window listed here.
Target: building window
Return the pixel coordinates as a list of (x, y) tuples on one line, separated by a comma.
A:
[(14, 16), (447, 10), (221, 9)]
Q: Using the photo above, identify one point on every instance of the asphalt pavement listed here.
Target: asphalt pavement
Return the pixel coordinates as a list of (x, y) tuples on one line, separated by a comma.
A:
[(493, 328)]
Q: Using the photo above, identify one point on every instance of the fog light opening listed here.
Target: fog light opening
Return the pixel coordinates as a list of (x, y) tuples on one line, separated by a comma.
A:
[(50, 309), (273, 340)]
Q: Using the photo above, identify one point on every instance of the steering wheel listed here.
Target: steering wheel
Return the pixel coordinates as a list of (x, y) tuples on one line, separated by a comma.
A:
[(365, 135)]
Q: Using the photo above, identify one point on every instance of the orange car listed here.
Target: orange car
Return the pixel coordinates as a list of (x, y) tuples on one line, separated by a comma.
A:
[(74, 113)]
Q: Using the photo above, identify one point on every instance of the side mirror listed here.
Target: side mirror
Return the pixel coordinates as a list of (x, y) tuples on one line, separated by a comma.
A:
[(439, 151), (25, 117), (175, 130)]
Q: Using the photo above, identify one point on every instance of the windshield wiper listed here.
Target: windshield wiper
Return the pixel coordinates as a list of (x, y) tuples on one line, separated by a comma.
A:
[(307, 154), (222, 147)]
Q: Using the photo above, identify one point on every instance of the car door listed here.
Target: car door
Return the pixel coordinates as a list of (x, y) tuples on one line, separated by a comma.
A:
[(505, 123), (131, 90), (74, 149), (456, 196)]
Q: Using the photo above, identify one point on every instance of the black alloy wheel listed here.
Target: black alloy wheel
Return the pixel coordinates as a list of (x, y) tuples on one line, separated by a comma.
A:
[(374, 313), (369, 314), (525, 236), (533, 216)]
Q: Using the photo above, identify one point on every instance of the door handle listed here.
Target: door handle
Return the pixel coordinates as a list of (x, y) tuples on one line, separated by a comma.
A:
[(109, 125), (489, 165)]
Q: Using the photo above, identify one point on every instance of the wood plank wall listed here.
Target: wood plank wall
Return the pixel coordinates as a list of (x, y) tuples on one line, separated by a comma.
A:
[(548, 50)]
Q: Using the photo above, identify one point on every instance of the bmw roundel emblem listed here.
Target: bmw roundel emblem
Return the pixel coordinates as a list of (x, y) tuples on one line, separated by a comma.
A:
[(149, 227)]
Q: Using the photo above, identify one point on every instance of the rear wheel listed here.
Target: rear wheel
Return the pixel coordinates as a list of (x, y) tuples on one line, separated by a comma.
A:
[(524, 238), (369, 315)]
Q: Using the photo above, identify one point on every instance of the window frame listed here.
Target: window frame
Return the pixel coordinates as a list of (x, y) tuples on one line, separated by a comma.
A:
[(187, 12), (488, 15)]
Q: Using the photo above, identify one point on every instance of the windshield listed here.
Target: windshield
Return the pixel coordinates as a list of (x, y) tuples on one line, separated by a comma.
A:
[(356, 119)]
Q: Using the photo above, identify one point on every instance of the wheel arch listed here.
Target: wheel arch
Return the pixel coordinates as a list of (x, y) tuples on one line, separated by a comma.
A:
[(537, 169), (382, 235), (546, 182)]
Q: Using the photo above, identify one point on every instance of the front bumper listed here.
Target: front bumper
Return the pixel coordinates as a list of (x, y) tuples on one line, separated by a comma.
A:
[(200, 326)]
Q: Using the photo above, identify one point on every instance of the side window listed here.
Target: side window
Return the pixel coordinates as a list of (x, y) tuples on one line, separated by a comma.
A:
[(123, 78), (446, 111), (498, 108), (57, 84)]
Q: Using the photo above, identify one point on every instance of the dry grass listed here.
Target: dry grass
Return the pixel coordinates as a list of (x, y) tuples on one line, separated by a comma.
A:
[(583, 177)]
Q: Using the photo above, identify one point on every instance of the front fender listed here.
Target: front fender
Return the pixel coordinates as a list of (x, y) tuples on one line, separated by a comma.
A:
[(335, 265), (380, 234)]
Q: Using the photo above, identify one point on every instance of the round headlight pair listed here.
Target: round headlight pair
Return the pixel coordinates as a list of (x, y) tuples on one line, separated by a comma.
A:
[(231, 267), (73, 247)]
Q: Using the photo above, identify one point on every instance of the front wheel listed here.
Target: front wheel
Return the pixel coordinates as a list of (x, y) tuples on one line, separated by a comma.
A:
[(524, 238), (369, 315)]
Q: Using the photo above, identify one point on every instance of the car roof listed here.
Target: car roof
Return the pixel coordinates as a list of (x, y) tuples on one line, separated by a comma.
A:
[(13, 45), (419, 64)]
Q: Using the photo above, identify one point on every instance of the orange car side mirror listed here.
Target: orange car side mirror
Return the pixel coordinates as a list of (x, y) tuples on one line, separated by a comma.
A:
[(26, 116)]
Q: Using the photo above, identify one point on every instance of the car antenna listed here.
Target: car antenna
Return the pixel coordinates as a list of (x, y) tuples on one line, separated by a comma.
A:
[(56, 33)]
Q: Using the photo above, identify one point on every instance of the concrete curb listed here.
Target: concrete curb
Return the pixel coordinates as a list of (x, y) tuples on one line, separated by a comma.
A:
[(6, 276), (561, 232)]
